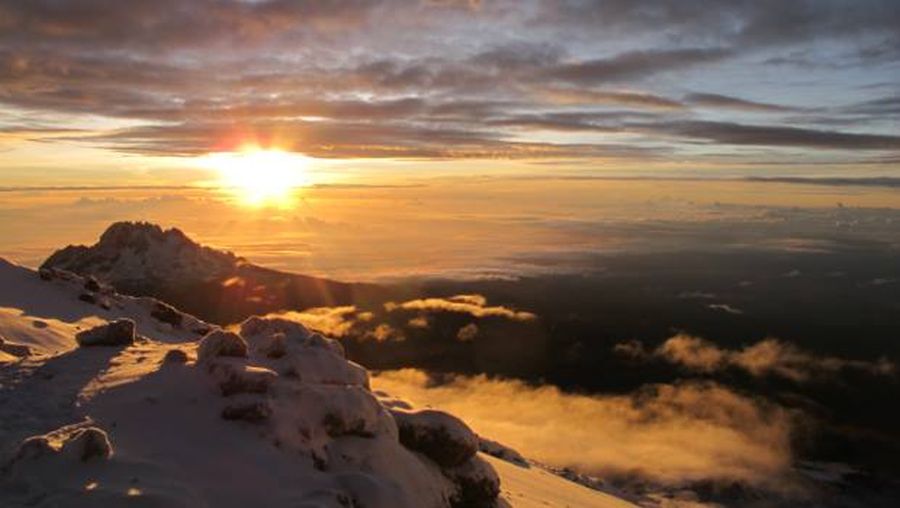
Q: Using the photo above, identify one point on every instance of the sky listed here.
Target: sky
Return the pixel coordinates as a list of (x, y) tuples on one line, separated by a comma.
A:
[(104, 92)]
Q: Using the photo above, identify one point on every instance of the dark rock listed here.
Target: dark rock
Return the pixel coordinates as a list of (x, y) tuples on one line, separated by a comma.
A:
[(176, 356), (166, 314), (91, 284), (87, 297), (88, 444), (441, 437), (477, 484), (335, 427), (251, 411), (19, 350), (115, 333)]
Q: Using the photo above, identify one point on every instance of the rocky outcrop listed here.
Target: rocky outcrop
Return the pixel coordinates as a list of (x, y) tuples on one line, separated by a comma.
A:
[(296, 388), (120, 332)]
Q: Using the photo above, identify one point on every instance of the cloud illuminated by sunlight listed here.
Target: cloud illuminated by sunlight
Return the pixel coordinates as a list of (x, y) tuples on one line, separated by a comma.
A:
[(260, 177)]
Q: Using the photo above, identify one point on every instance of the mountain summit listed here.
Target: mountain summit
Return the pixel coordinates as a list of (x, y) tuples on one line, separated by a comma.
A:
[(136, 254), (143, 259)]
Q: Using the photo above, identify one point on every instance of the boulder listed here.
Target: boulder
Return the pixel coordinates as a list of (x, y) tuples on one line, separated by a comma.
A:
[(219, 343), (175, 356), (115, 333), (167, 314), (88, 444), (477, 484), (441, 437)]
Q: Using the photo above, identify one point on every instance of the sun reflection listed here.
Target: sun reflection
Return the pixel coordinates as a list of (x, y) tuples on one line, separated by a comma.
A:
[(260, 177)]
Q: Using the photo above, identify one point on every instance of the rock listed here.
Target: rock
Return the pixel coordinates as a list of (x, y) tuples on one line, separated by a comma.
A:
[(167, 314), (248, 411), (115, 333), (46, 274), (234, 379), (176, 356), (495, 449), (221, 343), (82, 443), (19, 350), (441, 437), (336, 426), (88, 444), (477, 484), (87, 297), (91, 284), (34, 447)]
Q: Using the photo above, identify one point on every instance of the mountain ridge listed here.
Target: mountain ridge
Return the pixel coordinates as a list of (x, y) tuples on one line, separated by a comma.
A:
[(143, 259)]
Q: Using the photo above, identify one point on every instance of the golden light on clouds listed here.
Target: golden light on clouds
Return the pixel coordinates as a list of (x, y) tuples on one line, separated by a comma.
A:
[(260, 176)]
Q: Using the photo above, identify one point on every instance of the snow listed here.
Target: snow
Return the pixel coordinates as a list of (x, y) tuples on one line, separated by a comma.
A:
[(282, 420), (532, 487)]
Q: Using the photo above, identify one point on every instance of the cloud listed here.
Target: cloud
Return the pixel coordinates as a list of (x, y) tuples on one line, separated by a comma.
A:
[(633, 65), (668, 434), (718, 101), (394, 322), (776, 135), (467, 333), (769, 357), (171, 78), (560, 95), (333, 321), (473, 305)]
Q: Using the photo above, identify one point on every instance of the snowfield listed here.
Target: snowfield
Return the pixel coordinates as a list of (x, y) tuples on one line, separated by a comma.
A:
[(153, 407)]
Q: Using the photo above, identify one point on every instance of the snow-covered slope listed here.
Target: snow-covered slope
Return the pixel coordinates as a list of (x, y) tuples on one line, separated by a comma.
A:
[(181, 413)]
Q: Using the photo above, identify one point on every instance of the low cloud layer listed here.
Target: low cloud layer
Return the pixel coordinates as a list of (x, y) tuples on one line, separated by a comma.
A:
[(769, 357), (473, 305), (395, 320), (667, 434)]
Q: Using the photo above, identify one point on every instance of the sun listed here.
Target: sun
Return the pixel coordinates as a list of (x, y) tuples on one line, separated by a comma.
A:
[(260, 176)]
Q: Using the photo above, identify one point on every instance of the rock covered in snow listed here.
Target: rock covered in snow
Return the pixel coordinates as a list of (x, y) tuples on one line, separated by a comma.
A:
[(293, 350), (221, 343), (82, 442), (115, 333), (439, 436)]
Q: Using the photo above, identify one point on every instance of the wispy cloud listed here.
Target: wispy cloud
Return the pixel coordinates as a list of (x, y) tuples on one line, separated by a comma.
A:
[(769, 357)]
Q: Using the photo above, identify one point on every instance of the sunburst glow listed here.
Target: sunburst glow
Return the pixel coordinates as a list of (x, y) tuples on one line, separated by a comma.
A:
[(260, 176)]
